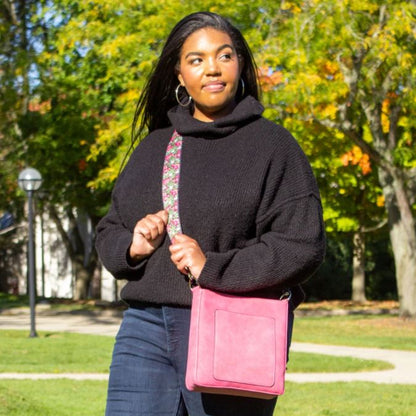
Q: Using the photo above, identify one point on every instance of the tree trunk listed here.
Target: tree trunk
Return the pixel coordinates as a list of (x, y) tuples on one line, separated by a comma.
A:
[(358, 277), (83, 278), (84, 268), (403, 238), (88, 283), (397, 201)]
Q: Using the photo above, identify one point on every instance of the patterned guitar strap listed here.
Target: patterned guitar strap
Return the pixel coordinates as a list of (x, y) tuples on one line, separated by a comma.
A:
[(170, 184), (170, 190)]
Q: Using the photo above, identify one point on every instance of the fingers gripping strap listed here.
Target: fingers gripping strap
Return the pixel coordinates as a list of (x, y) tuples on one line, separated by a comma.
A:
[(170, 184)]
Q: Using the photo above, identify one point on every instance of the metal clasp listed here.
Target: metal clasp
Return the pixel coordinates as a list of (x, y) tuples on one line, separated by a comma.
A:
[(286, 295), (192, 280)]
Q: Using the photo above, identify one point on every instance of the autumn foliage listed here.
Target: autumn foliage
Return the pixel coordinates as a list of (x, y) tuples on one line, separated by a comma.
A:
[(357, 157)]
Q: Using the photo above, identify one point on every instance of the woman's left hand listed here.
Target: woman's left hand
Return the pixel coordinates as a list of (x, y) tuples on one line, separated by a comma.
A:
[(186, 253)]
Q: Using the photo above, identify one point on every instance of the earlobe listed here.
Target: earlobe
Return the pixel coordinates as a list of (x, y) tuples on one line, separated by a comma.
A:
[(180, 78)]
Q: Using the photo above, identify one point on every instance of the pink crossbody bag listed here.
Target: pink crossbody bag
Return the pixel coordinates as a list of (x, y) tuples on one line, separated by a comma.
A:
[(237, 344)]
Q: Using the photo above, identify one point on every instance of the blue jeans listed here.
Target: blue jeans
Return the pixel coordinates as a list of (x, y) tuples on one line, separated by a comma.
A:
[(147, 375)]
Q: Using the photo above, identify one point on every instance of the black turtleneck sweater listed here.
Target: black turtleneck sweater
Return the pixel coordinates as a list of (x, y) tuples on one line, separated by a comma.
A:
[(246, 194)]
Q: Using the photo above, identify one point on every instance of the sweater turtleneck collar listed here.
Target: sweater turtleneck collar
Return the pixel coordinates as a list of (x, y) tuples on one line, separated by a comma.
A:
[(245, 111)]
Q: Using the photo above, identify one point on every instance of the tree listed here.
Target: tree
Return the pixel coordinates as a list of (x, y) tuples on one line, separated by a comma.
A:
[(80, 68), (43, 123), (16, 59), (85, 64), (94, 61), (349, 66)]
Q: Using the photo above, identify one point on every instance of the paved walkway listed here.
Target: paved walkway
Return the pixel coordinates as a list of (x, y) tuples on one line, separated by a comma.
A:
[(104, 322), (107, 323), (404, 362)]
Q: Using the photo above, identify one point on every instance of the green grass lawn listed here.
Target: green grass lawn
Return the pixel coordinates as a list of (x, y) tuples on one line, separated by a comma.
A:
[(87, 398), (347, 399), (65, 352), (54, 352), (301, 362), (13, 301), (380, 331), (75, 353), (52, 398)]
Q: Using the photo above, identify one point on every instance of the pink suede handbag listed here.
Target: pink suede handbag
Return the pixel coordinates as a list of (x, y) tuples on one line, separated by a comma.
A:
[(237, 345)]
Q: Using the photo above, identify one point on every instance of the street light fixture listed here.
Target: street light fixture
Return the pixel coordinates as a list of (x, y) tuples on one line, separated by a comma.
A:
[(30, 181)]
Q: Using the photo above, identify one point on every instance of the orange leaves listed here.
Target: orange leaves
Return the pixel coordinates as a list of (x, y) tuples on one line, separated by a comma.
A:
[(39, 107), (356, 157), (269, 78), (329, 68)]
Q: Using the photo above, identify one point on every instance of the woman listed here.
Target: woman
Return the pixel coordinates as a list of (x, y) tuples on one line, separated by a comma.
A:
[(249, 208)]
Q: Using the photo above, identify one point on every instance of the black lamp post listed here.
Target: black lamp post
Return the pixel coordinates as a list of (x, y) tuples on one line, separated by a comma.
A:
[(30, 181)]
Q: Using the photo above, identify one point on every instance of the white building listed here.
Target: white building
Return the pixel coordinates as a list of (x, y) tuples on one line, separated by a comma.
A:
[(55, 275)]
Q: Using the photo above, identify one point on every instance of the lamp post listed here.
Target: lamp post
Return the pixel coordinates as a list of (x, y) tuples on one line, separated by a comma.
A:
[(30, 181)]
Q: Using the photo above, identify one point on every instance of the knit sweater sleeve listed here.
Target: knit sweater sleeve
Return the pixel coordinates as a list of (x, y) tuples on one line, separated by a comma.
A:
[(289, 244), (114, 232), (112, 244)]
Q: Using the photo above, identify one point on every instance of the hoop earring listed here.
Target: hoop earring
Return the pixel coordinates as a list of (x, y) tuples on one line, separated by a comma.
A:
[(243, 87), (177, 97)]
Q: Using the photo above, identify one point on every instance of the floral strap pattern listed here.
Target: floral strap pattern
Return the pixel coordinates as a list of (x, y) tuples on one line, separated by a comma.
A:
[(170, 184)]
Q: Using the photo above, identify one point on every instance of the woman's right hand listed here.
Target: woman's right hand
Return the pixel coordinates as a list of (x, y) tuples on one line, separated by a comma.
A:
[(148, 235)]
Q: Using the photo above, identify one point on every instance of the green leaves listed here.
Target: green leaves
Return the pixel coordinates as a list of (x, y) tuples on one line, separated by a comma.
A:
[(348, 71), (333, 72)]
